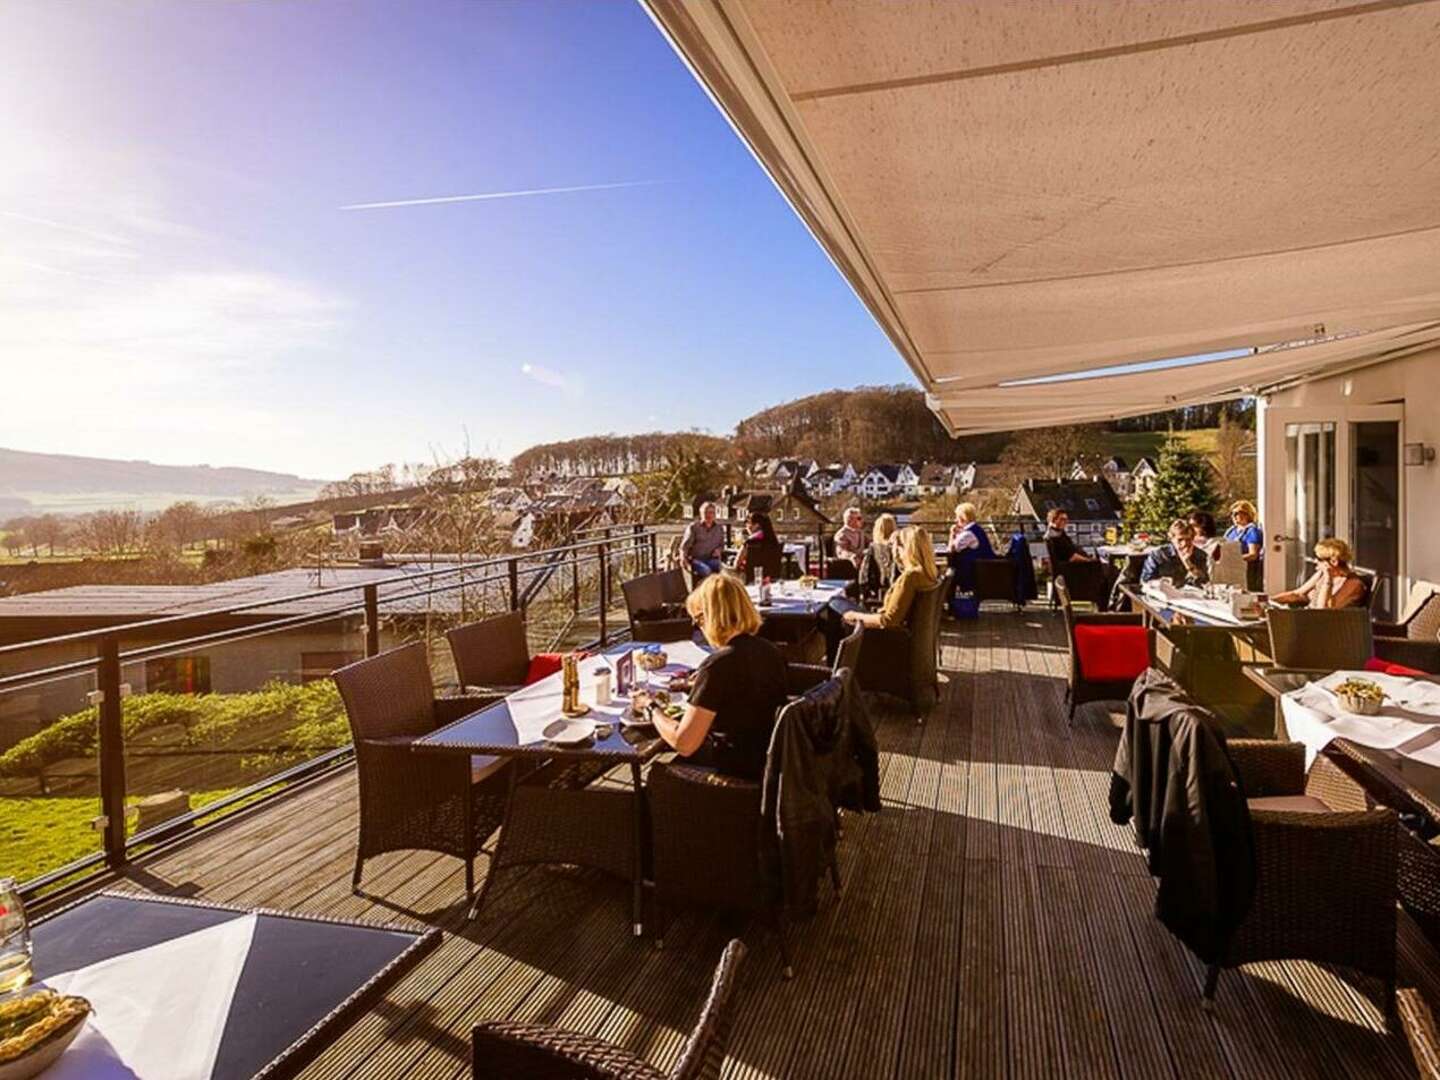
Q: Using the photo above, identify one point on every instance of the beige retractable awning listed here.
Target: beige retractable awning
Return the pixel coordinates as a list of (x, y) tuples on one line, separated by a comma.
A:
[(1022, 191)]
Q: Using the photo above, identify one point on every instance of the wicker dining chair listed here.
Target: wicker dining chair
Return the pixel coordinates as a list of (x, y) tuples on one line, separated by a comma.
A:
[(1415, 640), (520, 1051), (720, 865), (1108, 650), (995, 580), (411, 801), (902, 661), (654, 603), (1420, 1031), (492, 656), (1320, 639), (1325, 876)]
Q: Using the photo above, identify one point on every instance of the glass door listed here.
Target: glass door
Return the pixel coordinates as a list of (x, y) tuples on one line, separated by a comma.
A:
[(1309, 492), (1375, 508)]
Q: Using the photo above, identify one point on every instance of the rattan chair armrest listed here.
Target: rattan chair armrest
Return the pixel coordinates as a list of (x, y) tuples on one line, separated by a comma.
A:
[(1423, 655), (450, 709), (1380, 628), (519, 1051), (1269, 768), (802, 677), (1344, 849), (1420, 1031)]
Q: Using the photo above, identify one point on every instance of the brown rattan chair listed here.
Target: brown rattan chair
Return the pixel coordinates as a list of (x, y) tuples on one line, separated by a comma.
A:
[(764, 557), (1087, 579), (719, 863), (491, 656), (903, 661), (408, 800), (1320, 639), (655, 604), (516, 1051), (1325, 878), (1082, 686), (995, 580), (1415, 640), (1420, 1032)]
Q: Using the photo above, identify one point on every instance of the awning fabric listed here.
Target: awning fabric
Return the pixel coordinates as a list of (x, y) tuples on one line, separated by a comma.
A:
[(1021, 191)]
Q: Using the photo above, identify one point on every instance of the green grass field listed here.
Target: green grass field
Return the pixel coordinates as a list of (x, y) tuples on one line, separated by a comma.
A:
[(43, 833), (1133, 445)]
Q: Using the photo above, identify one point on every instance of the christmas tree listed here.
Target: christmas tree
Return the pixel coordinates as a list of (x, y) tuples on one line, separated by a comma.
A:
[(1182, 485)]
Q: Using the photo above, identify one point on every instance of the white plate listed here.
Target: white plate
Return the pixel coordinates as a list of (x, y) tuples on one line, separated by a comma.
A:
[(573, 733)]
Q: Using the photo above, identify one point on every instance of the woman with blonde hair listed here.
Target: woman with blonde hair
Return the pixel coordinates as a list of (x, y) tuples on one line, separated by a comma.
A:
[(1334, 584), (877, 566), (737, 689), (968, 542), (917, 573), (1245, 530)]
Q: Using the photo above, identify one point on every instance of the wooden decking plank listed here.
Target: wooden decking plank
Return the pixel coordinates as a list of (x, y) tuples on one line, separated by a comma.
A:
[(980, 1015)]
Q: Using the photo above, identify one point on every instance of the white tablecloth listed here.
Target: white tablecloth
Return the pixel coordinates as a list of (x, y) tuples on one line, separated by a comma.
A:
[(1191, 601), (788, 590), (537, 706), (1409, 721), (159, 1012)]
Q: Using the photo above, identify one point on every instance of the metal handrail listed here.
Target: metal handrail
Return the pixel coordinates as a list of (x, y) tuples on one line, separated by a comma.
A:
[(236, 609), (109, 660)]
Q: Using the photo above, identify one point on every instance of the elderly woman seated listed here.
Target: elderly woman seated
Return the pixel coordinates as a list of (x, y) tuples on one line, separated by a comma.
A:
[(1334, 584), (915, 558), (737, 689)]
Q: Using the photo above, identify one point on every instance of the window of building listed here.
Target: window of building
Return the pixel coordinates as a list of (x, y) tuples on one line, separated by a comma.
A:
[(178, 675), (318, 665), (1093, 504)]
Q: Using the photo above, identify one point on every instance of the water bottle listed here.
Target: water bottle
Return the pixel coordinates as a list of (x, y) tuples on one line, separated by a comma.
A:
[(15, 948)]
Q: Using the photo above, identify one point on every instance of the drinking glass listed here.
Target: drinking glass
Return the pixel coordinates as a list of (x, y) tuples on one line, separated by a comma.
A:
[(15, 947)]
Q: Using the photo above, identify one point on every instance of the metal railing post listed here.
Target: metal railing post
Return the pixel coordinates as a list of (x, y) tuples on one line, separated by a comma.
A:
[(372, 620), (604, 591), (654, 552), (112, 751), (513, 566)]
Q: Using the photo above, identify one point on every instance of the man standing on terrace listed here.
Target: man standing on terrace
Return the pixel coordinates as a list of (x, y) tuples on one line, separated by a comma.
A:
[(703, 543)]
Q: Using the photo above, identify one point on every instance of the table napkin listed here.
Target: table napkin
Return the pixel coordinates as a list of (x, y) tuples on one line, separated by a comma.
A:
[(1314, 715), (160, 1011)]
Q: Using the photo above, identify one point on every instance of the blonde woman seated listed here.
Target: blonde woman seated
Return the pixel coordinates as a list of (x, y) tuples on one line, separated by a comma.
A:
[(917, 573), (737, 689), (1334, 584), (877, 566)]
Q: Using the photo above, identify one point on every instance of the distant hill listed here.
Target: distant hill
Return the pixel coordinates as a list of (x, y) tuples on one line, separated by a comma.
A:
[(31, 482)]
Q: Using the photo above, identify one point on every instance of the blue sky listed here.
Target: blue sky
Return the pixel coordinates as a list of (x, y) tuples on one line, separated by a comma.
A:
[(178, 281)]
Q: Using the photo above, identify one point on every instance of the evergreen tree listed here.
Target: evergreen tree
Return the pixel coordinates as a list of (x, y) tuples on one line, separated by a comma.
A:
[(1182, 484)]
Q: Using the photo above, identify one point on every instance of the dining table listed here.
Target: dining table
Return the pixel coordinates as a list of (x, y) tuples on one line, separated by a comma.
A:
[(597, 825), (1205, 647), (191, 990), (1394, 757)]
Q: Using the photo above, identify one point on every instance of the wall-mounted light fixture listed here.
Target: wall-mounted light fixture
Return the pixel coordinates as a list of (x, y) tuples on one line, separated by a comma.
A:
[(1419, 454)]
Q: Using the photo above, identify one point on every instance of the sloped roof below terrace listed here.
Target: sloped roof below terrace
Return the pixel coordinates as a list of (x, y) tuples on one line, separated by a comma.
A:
[(1026, 192)]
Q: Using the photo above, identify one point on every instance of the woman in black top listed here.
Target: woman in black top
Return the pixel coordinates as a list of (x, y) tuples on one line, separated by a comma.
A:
[(737, 690)]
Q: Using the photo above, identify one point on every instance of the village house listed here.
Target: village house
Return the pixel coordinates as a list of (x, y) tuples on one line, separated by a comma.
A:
[(889, 482)]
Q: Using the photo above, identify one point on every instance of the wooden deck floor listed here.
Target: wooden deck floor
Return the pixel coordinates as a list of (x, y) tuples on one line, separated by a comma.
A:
[(993, 922)]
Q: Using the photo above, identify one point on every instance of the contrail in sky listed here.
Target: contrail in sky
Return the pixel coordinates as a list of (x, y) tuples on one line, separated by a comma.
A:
[(482, 196)]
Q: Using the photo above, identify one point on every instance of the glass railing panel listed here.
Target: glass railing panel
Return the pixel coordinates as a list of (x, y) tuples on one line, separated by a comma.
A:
[(49, 772)]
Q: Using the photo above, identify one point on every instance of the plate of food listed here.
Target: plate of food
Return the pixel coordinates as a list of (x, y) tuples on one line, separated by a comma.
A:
[(651, 659), (570, 732), (35, 1029), (1360, 696)]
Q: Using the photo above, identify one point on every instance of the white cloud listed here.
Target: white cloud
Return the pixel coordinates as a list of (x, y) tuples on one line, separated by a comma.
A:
[(570, 385)]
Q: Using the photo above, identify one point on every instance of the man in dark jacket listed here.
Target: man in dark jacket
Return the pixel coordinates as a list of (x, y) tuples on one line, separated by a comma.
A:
[(823, 756), (1174, 778)]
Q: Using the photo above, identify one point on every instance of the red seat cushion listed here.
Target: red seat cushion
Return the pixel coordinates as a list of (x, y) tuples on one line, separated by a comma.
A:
[(1386, 667), (1112, 653), (542, 666)]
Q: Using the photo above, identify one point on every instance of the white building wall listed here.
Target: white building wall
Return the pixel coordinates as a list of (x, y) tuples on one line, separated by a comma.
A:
[(1412, 382)]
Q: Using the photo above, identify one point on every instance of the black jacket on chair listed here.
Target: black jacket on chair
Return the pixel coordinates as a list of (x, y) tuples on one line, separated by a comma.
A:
[(823, 756), (1174, 778)]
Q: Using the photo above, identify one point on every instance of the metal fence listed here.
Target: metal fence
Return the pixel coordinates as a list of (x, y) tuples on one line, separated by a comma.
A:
[(120, 739)]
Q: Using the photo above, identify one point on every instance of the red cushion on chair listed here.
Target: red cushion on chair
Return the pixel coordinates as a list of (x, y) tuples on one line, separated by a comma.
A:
[(1386, 667), (542, 666), (1112, 653)]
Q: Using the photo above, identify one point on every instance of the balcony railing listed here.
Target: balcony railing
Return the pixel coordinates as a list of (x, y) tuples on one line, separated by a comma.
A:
[(127, 737)]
